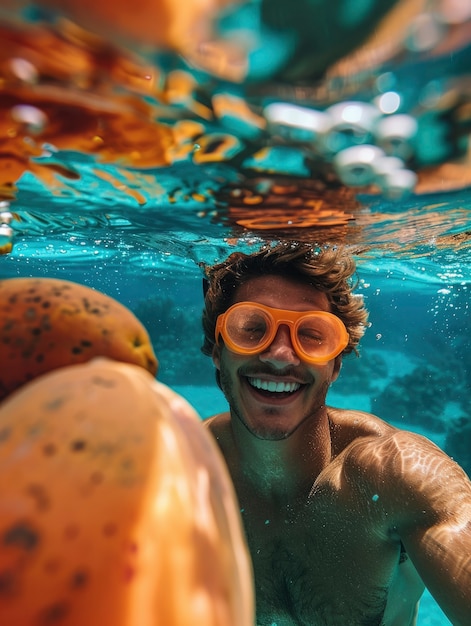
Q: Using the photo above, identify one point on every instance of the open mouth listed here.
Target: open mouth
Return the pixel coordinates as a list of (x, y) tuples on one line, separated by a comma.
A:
[(272, 388)]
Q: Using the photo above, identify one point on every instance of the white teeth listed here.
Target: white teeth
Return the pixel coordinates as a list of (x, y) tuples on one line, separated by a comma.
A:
[(271, 385)]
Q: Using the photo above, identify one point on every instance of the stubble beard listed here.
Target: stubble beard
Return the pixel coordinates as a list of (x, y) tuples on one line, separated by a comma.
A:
[(269, 432)]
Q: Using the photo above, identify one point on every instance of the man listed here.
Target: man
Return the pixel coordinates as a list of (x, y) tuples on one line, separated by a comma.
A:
[(346, 517)]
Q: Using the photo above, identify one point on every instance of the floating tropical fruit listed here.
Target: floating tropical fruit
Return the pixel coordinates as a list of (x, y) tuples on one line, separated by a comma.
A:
[(116, 507), (47, 323)]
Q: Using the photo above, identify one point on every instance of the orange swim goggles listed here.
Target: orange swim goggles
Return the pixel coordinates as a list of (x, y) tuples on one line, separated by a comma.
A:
[(249, 328)]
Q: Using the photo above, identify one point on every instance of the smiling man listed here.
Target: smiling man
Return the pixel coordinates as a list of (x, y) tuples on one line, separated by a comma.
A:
[(347, 518)]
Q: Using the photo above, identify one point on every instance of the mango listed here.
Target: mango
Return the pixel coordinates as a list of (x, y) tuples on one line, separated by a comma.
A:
[(116, 507), (47, 323)]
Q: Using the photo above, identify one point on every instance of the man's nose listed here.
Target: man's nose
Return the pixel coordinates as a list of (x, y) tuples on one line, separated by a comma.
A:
[(281, 351)]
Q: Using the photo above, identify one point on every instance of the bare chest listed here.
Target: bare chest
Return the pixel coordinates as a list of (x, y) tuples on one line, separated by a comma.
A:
[(315, 568)]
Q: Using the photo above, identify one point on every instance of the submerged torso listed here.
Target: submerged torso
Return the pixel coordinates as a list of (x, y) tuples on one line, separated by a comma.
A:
[(314, 569), (328, 558)]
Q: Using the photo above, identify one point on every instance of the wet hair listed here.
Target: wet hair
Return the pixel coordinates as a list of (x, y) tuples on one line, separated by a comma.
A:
[(328, 269)]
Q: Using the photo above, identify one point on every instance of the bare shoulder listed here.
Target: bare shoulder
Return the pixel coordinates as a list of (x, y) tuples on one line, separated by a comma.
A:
[(405, 467), (219, 425), (217, 420), (369, 442), (349, 426), (358, 421)]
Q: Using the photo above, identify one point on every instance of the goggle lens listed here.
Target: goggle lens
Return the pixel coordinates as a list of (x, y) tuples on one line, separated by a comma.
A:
[(249, 328), (317, 336)]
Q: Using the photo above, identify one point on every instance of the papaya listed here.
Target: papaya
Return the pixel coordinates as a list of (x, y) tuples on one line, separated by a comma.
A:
[(116, 507), (47, 323)]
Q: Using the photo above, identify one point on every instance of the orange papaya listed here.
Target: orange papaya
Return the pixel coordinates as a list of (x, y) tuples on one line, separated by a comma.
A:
[(47, 323), (116, 507)]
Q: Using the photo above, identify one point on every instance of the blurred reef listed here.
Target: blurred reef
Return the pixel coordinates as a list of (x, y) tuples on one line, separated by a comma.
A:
[(176, 336), (432, 398), (458, 441)]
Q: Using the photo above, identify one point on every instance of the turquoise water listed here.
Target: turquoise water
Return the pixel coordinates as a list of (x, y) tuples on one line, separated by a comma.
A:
[(418, 347), (139, 230)]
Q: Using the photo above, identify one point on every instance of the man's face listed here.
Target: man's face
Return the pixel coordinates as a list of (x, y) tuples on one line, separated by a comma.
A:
[(273, 392)]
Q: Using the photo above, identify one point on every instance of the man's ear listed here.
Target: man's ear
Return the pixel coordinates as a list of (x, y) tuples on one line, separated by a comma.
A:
[(216, 355), (337, 368)]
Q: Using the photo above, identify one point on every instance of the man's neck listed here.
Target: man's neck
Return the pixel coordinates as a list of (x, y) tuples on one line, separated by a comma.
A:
[(287, 467)]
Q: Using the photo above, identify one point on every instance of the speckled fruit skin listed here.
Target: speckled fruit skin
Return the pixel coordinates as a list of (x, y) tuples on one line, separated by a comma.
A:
[(116, 507), (47, 323)]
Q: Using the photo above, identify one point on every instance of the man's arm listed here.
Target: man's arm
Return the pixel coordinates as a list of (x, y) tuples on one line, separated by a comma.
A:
[(442, 556), (433, 502)]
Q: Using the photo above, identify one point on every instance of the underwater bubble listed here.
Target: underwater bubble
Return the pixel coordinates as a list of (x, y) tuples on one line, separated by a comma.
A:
[(425, 33), (385, 82), (23, 69), (455, 11), (30, 116), (6, 239), (388, 102), (355, 165), (5, 216), (398, 184)]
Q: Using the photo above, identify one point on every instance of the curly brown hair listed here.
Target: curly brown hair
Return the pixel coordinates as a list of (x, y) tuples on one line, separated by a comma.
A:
[(328, 269)]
